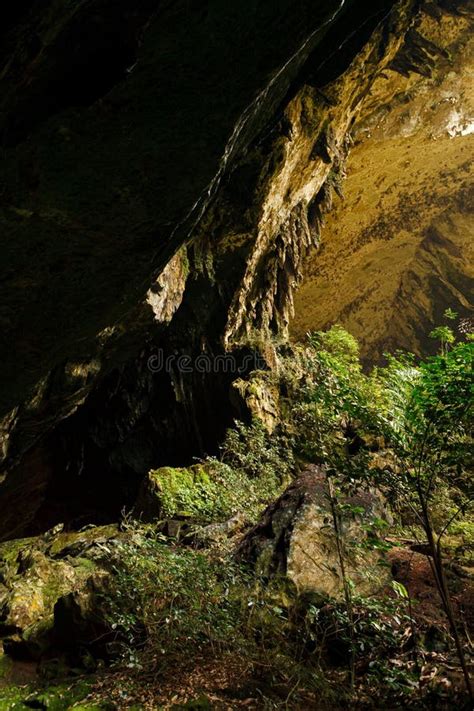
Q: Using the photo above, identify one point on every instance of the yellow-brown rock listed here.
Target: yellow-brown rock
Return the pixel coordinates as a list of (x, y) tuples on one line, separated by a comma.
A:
[(398, 249)]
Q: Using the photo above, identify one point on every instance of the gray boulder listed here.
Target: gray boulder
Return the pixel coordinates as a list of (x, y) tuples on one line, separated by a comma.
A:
[(296, 538)]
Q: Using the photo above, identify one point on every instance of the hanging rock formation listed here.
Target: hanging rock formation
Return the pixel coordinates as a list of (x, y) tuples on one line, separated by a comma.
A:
[(162, 183)]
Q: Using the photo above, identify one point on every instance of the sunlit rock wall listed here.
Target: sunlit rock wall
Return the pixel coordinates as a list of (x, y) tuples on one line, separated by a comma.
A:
[(398, 250), (167, 210)]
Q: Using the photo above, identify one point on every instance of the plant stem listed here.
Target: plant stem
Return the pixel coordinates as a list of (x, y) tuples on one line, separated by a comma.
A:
[(345, 584)]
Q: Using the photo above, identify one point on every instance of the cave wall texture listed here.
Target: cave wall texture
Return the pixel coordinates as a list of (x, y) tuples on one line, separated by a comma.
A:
[(166, 168), (397, 250)]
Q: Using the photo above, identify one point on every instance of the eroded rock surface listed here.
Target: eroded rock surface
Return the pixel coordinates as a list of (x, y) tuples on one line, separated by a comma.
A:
[(42, 579), (397, 250), (296, 538), (169, 183)]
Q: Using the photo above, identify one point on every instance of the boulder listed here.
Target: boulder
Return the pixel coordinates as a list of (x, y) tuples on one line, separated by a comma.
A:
[(36, 574), (176, 492), (219, 533), (296, 538)]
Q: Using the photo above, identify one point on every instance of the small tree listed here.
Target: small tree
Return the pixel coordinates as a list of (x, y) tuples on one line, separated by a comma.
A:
[(430, 430), (421, 413), (444, 334)]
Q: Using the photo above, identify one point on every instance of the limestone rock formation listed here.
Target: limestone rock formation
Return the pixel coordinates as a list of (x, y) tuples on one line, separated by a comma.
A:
[(397, 250), (258, 398), (296, 538), (153, 209), (41, 579)]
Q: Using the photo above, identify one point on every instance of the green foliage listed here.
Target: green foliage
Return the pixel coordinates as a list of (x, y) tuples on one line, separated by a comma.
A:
[(433, 446), (377, 624), (431, 433), (252, 470), (338, 343), (259, 454), (61, 697), (419, 413), (444, 334), (186, 492), (240, 493), (336, 407), (173, 598), (450, 315)]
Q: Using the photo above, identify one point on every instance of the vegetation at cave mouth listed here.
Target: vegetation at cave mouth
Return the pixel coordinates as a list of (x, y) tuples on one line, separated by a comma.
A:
[(182, 596)]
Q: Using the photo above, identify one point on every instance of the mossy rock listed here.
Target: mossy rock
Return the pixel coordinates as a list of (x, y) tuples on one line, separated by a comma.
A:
[(34, 592), (177, 492), (295, 538), (76, 543), (37, 573), (9, 551), (35, 639), (56, 698)]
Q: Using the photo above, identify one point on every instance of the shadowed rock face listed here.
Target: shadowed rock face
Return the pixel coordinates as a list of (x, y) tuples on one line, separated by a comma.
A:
[(200, 137), (115, 118)]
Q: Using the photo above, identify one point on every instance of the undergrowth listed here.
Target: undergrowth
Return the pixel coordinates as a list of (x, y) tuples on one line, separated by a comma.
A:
[(403, 430), (365, 430)]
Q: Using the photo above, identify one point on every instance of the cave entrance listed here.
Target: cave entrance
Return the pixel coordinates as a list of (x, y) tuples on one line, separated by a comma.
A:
[(134, 421)]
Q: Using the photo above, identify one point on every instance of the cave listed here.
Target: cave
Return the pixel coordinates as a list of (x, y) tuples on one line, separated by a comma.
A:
[(134, 421), (191, 192), (98, 432)]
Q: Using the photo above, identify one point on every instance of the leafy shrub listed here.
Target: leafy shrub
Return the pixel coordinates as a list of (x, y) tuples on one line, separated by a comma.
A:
[(259, 454), (430, 432), (171, 598), (253, 469), (335, 409)]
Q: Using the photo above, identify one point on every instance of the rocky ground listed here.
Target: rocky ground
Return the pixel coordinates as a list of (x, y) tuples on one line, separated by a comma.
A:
[(55, 618)]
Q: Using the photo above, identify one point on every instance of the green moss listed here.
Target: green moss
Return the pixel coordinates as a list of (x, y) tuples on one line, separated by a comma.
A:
[(185, 492), (84, 565), (9, 549), (56, 698), (255, 466), (66, 540), (185, 262), (56, 584), (60, 698)]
